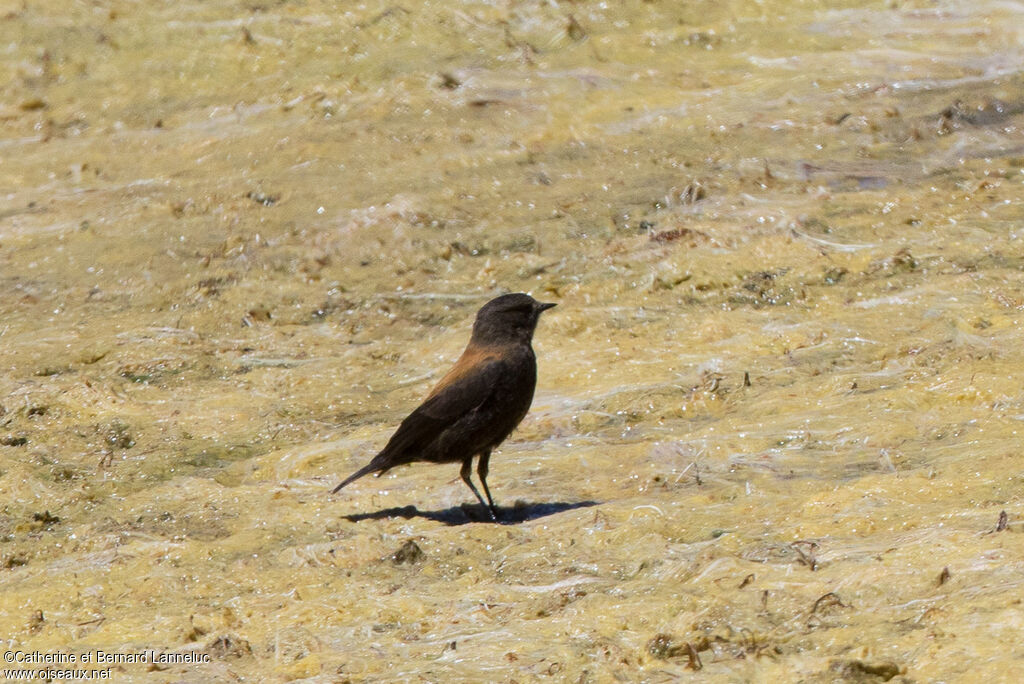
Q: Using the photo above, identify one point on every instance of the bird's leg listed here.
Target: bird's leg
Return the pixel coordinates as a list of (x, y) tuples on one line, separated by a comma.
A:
[(481, 470), (467, 469)]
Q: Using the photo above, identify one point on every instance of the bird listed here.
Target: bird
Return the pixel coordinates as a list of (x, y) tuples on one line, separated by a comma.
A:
[(478, 403)]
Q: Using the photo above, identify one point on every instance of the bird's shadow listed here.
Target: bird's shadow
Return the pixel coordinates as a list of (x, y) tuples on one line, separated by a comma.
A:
[(471, 513)]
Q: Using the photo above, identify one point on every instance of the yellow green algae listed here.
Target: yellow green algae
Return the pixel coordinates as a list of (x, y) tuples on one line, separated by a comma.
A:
[(778, 404)]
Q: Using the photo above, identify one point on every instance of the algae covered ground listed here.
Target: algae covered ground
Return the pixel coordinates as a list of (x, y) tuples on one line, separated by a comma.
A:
[(775, 436)]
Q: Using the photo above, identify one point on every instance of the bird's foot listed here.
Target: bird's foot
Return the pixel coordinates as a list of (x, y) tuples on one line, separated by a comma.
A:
[(480, 512)]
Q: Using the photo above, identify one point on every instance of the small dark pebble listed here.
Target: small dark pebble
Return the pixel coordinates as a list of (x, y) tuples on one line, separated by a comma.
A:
[(409, 553), (575, 32), (449, 82), (32, 104), (14, 441), (944, 576), (263, 198)]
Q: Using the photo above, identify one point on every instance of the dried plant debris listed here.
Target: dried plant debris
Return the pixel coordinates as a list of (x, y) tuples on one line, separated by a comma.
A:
[(827, 600), (1003, 522), (766, 288), (228, 646), (45, 519), (36, 622), (735, 642), (665, 647), (984, 113), (860, 671), (900, 262), (688, 236), (117, 435), (834, 276), (806, 550), (13, 561)]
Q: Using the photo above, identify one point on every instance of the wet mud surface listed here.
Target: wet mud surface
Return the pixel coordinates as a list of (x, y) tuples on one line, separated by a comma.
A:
[(775, 436)]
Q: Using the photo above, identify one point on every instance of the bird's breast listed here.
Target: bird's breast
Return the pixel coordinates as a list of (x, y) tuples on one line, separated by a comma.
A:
[(513, 392)]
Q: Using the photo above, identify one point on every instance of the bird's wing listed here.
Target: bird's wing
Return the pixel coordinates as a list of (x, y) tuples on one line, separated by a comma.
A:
[(445, 406)]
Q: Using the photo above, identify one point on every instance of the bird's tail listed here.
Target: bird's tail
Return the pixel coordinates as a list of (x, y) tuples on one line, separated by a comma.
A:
[(371, 467)]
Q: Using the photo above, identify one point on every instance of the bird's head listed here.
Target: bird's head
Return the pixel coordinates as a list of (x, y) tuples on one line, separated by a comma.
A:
[(508, 318)]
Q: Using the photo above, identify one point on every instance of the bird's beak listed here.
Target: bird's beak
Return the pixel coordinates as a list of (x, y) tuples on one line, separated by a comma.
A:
[(544, 306)]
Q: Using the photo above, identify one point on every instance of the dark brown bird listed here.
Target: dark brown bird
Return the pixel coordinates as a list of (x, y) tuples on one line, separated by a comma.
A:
[(478, 402)]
